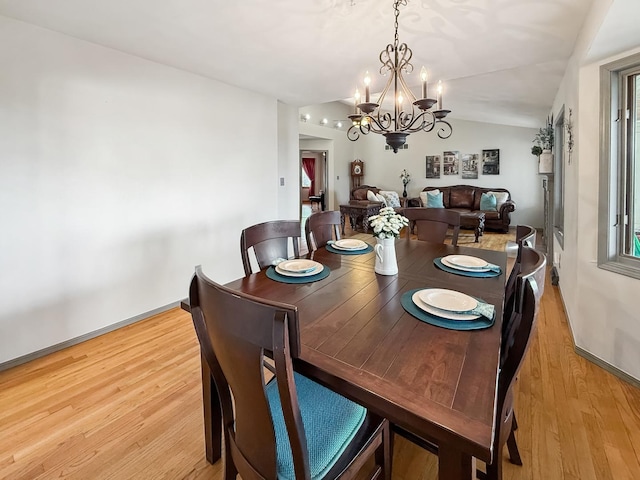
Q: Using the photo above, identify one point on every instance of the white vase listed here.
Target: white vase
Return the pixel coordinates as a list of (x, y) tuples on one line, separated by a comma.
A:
[(545, 162), (386, 263)]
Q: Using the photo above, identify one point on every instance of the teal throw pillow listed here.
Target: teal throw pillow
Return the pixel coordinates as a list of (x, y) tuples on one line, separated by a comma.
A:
[(435, 201), (488, 201)]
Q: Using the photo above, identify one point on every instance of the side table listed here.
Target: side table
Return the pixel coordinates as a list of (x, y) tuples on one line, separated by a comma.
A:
[(358, 213)]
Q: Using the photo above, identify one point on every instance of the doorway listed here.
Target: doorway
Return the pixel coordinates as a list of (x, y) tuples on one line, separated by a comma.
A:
[(313, 183)]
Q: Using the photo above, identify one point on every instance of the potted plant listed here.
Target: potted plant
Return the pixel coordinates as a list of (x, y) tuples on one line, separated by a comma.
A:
[(543, 144)]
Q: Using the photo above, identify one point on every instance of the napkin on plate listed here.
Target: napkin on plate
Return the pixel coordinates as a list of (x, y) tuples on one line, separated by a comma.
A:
[(278, 261), (487, 310), (493, 267)]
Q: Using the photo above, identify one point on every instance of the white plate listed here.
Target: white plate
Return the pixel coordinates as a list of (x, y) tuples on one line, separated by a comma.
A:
[(466, 261), (350, 244), (449, 300), (299, 268), (441, 313), (464, 269)]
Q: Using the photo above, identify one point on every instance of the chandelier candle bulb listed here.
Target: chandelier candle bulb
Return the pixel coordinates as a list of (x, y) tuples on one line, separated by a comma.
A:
[(367, 82), (423, 77), (356, 101), (439, 94)]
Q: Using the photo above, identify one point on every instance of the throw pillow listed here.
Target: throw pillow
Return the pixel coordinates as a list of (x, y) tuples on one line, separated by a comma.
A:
[(381, 199), (392, 199), (435, 201), (372, 196), (488, 202), (501, 197), (423, 196)]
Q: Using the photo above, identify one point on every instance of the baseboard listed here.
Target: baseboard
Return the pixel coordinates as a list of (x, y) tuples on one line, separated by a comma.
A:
[(82, 338), (622, 375)]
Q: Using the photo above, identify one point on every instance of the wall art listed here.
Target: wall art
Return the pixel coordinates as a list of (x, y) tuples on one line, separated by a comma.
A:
[(470, 165), (491, 162), (450, 162), (433, 166)]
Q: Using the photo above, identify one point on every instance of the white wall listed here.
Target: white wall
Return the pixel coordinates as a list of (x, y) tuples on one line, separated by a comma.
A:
[(600, 304), (117, 176), (518, 168)]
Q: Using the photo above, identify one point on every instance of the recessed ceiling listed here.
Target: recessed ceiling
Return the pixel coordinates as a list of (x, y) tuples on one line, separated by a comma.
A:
[(501, 60)]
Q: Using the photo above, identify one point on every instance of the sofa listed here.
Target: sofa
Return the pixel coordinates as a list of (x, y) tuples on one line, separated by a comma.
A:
[(466, 198), (362, 196)]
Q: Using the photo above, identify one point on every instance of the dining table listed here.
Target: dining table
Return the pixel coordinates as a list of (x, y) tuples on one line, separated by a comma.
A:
[(436, 383)]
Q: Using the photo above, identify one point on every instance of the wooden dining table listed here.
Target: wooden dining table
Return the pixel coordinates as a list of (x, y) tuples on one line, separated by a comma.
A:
[(435, 383)]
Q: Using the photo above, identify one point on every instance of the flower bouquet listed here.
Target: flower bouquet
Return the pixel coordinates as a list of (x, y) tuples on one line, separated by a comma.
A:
[(388, 223)]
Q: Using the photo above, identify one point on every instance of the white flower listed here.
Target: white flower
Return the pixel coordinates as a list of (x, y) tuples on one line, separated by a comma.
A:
[(388, 223)]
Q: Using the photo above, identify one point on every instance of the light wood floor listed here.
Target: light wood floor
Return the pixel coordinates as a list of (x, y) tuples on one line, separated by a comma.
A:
[(127, 405)]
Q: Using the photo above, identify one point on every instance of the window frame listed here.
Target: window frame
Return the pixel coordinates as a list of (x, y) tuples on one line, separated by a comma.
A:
[(616, 167)]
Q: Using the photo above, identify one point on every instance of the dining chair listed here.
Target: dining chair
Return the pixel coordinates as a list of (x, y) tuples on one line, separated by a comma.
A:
[(290, 426), (433, 223), (515, 344), (525, 235), (270, 241), (321, 227)]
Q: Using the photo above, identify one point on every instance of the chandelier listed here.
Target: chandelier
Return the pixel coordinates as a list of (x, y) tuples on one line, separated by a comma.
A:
[(397, 126)]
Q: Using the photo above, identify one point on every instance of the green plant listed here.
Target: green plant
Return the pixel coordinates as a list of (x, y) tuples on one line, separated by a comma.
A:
[(536, 150), (544, 137)]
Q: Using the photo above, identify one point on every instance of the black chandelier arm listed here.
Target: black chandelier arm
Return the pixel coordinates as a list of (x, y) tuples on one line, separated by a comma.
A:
[(425, 122), (444, 132)]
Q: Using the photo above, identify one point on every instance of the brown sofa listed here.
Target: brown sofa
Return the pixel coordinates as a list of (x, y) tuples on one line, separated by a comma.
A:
[(466, 198)]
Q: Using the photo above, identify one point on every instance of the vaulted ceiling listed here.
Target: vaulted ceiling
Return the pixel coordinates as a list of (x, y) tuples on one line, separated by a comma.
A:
[(501, 60)]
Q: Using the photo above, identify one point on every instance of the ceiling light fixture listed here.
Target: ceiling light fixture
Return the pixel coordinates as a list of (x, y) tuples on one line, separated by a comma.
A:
[(367, 117)]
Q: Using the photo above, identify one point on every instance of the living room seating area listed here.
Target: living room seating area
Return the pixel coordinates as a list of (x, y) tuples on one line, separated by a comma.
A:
[(495, 203)]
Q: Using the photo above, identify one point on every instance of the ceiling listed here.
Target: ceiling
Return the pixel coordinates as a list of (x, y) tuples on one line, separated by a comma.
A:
[(501, 60)]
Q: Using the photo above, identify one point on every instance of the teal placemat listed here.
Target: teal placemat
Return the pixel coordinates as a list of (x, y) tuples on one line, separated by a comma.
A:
[(442, 266), (350, 252), (410, 307), (273, 275)]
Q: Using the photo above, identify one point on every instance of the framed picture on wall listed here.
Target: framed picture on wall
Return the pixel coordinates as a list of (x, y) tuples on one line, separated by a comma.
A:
[(450, 163), (433, 166), (491, 162), (470, 165)]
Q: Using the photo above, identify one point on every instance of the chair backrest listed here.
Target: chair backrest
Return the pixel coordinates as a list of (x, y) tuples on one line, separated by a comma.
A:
[(433, 223), (525, 236), (321, 227), (239, 328), (520, 322), (516, 338), (270, 241)]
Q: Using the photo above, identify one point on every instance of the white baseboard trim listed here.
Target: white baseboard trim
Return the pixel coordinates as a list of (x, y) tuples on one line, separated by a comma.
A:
[(622, 375), (82, 338)]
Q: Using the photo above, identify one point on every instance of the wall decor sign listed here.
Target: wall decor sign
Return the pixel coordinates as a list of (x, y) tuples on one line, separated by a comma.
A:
[(491, 162), (433, 166), (450, 162), (470, 165)]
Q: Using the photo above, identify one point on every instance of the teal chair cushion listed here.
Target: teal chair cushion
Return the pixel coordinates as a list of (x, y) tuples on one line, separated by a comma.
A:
[(330, 422)]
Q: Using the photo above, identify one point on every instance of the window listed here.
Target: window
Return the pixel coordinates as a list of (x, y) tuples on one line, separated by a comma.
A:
[(619, 209), (306, 182)]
